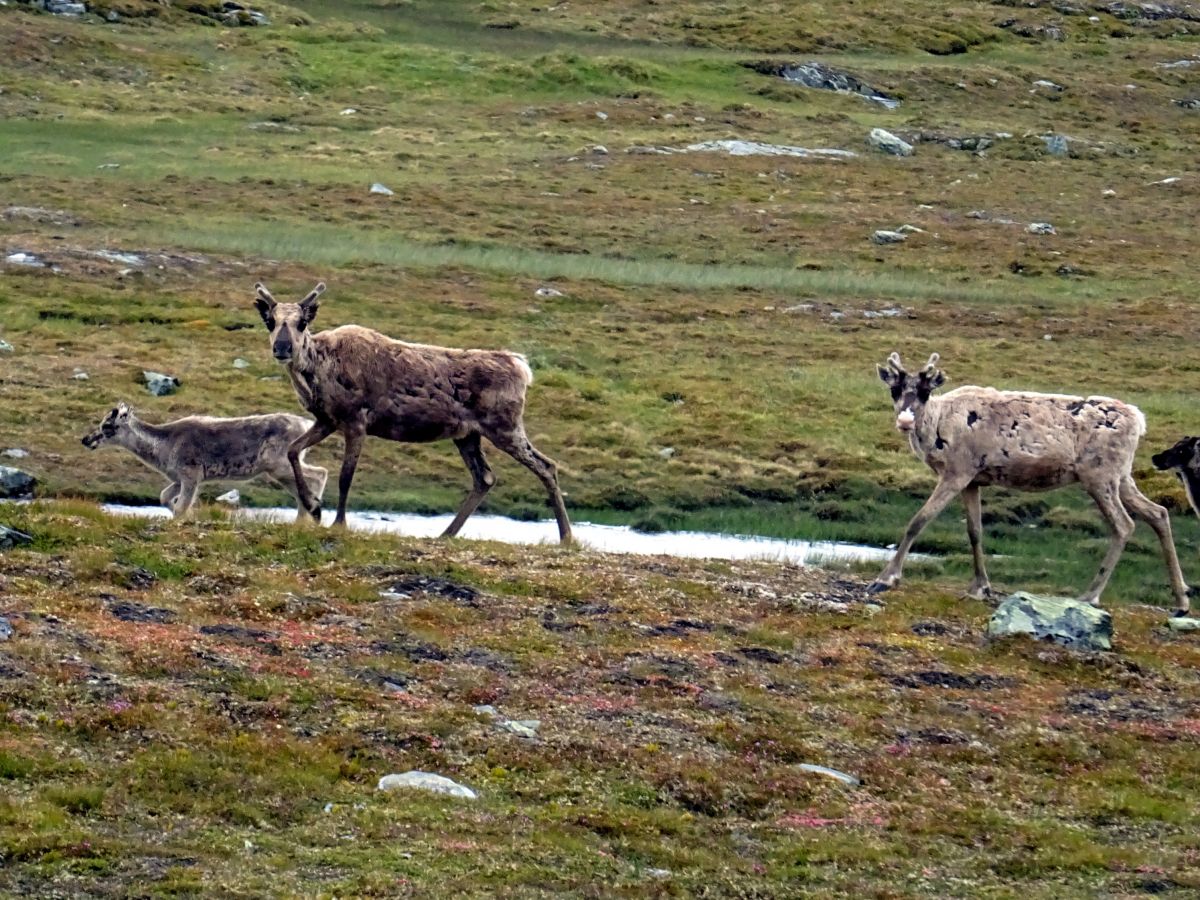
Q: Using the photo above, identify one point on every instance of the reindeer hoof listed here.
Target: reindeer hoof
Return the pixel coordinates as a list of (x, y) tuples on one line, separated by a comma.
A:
[(878, 587), (1180, 613)]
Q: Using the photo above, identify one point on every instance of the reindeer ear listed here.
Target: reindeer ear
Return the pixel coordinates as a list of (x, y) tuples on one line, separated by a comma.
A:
[(937, 379), (309, 305), (887, 376)]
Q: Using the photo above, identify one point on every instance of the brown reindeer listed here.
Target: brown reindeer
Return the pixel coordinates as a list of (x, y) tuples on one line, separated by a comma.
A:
[(196, 449), (359, 382), (978, 436)]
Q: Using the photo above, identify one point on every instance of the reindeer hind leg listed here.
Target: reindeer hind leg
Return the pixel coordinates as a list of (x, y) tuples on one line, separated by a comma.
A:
[(482, 477), (518, 446), (1159, 519)]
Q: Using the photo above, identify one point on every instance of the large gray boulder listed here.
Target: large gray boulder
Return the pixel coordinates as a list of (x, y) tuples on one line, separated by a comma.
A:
[(887, 142), (426, 781), (15, 483), (1062, 620), (159, 384)]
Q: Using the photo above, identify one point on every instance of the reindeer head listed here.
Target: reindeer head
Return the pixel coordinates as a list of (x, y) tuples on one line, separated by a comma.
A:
[(1181, 457), (287, 322), (111, 425), (910, 393)]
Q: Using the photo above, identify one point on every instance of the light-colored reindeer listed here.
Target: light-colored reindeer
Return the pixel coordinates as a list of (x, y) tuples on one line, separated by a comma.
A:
[(359, 382), (196, 449), (978, 436)]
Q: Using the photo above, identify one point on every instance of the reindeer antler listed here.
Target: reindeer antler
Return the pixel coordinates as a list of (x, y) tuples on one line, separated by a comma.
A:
[(932, 364), (894, 362)]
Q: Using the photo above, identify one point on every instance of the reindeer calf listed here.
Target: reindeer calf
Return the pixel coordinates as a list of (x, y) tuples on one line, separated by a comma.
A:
[(196, 449), (978, 436)]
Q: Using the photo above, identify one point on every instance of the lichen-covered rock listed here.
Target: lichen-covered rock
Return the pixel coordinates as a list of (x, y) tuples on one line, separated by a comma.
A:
[(159, 384), (1183, 623), (426, 781), (15, 483), (889, 143), (1059, 619)]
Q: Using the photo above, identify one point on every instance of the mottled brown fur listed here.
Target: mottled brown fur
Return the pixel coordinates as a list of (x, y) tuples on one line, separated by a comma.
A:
[(974, 437), (361, 383), (196, 449)]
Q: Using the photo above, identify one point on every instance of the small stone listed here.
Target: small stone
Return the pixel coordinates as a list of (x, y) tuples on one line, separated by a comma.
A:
[(829, 773), (1183, 623), (666, 452), (15, 483), (348, 111), (1050, 85), (598, 150), (1108, 192), (240, 363), (161, 385), (888, 237), (658, 873), (230, 498), (426, 781), (1062, 620), (485, 709), (378, 188), (15, 453), (1041, 228), (109, 166), (602, 116), (80, 375), (1047, 337), (887, 142), (545, 292), (5, 346), (6, 629), (526, 728)]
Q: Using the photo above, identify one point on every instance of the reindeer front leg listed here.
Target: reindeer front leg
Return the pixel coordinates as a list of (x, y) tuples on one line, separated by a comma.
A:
[(354, 442), (980, 587), (313, 436), (945, 491)]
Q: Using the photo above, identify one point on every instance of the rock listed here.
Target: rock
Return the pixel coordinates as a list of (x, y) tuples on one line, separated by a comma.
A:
[(821, 77), (1108, 192), (1049, 85), (159, 384), (62, 8), (666, 452), (1188, 103), (10, 537), (547, 292), (15, 453), (485, 709), (526, 728), (1056, 144), (6, 629), (1183, 623), (602, 116), (910, 229), (38, 214), (21, 258), (240, 363), (378, 188), (659, 873), (888, 237), (349, 111), (1059, 619), (887, 142), (754, 148), (15, 483), (231, 498), (830, 773), (1041, 228), (426, 781), (80, 375), (5, 346)]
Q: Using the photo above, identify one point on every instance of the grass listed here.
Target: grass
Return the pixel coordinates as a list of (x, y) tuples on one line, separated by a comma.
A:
[(239, 742), (724, 309)]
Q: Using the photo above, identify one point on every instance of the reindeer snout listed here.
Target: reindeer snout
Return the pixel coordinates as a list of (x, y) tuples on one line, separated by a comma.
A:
[(906, 421), (283, 352), (90, 441)]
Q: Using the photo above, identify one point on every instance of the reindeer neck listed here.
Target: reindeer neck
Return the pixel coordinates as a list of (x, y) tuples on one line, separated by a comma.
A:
[(304, 357), (143, 439)]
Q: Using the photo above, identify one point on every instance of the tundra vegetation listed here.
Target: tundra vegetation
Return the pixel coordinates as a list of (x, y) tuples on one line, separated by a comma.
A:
[(180, 701)]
